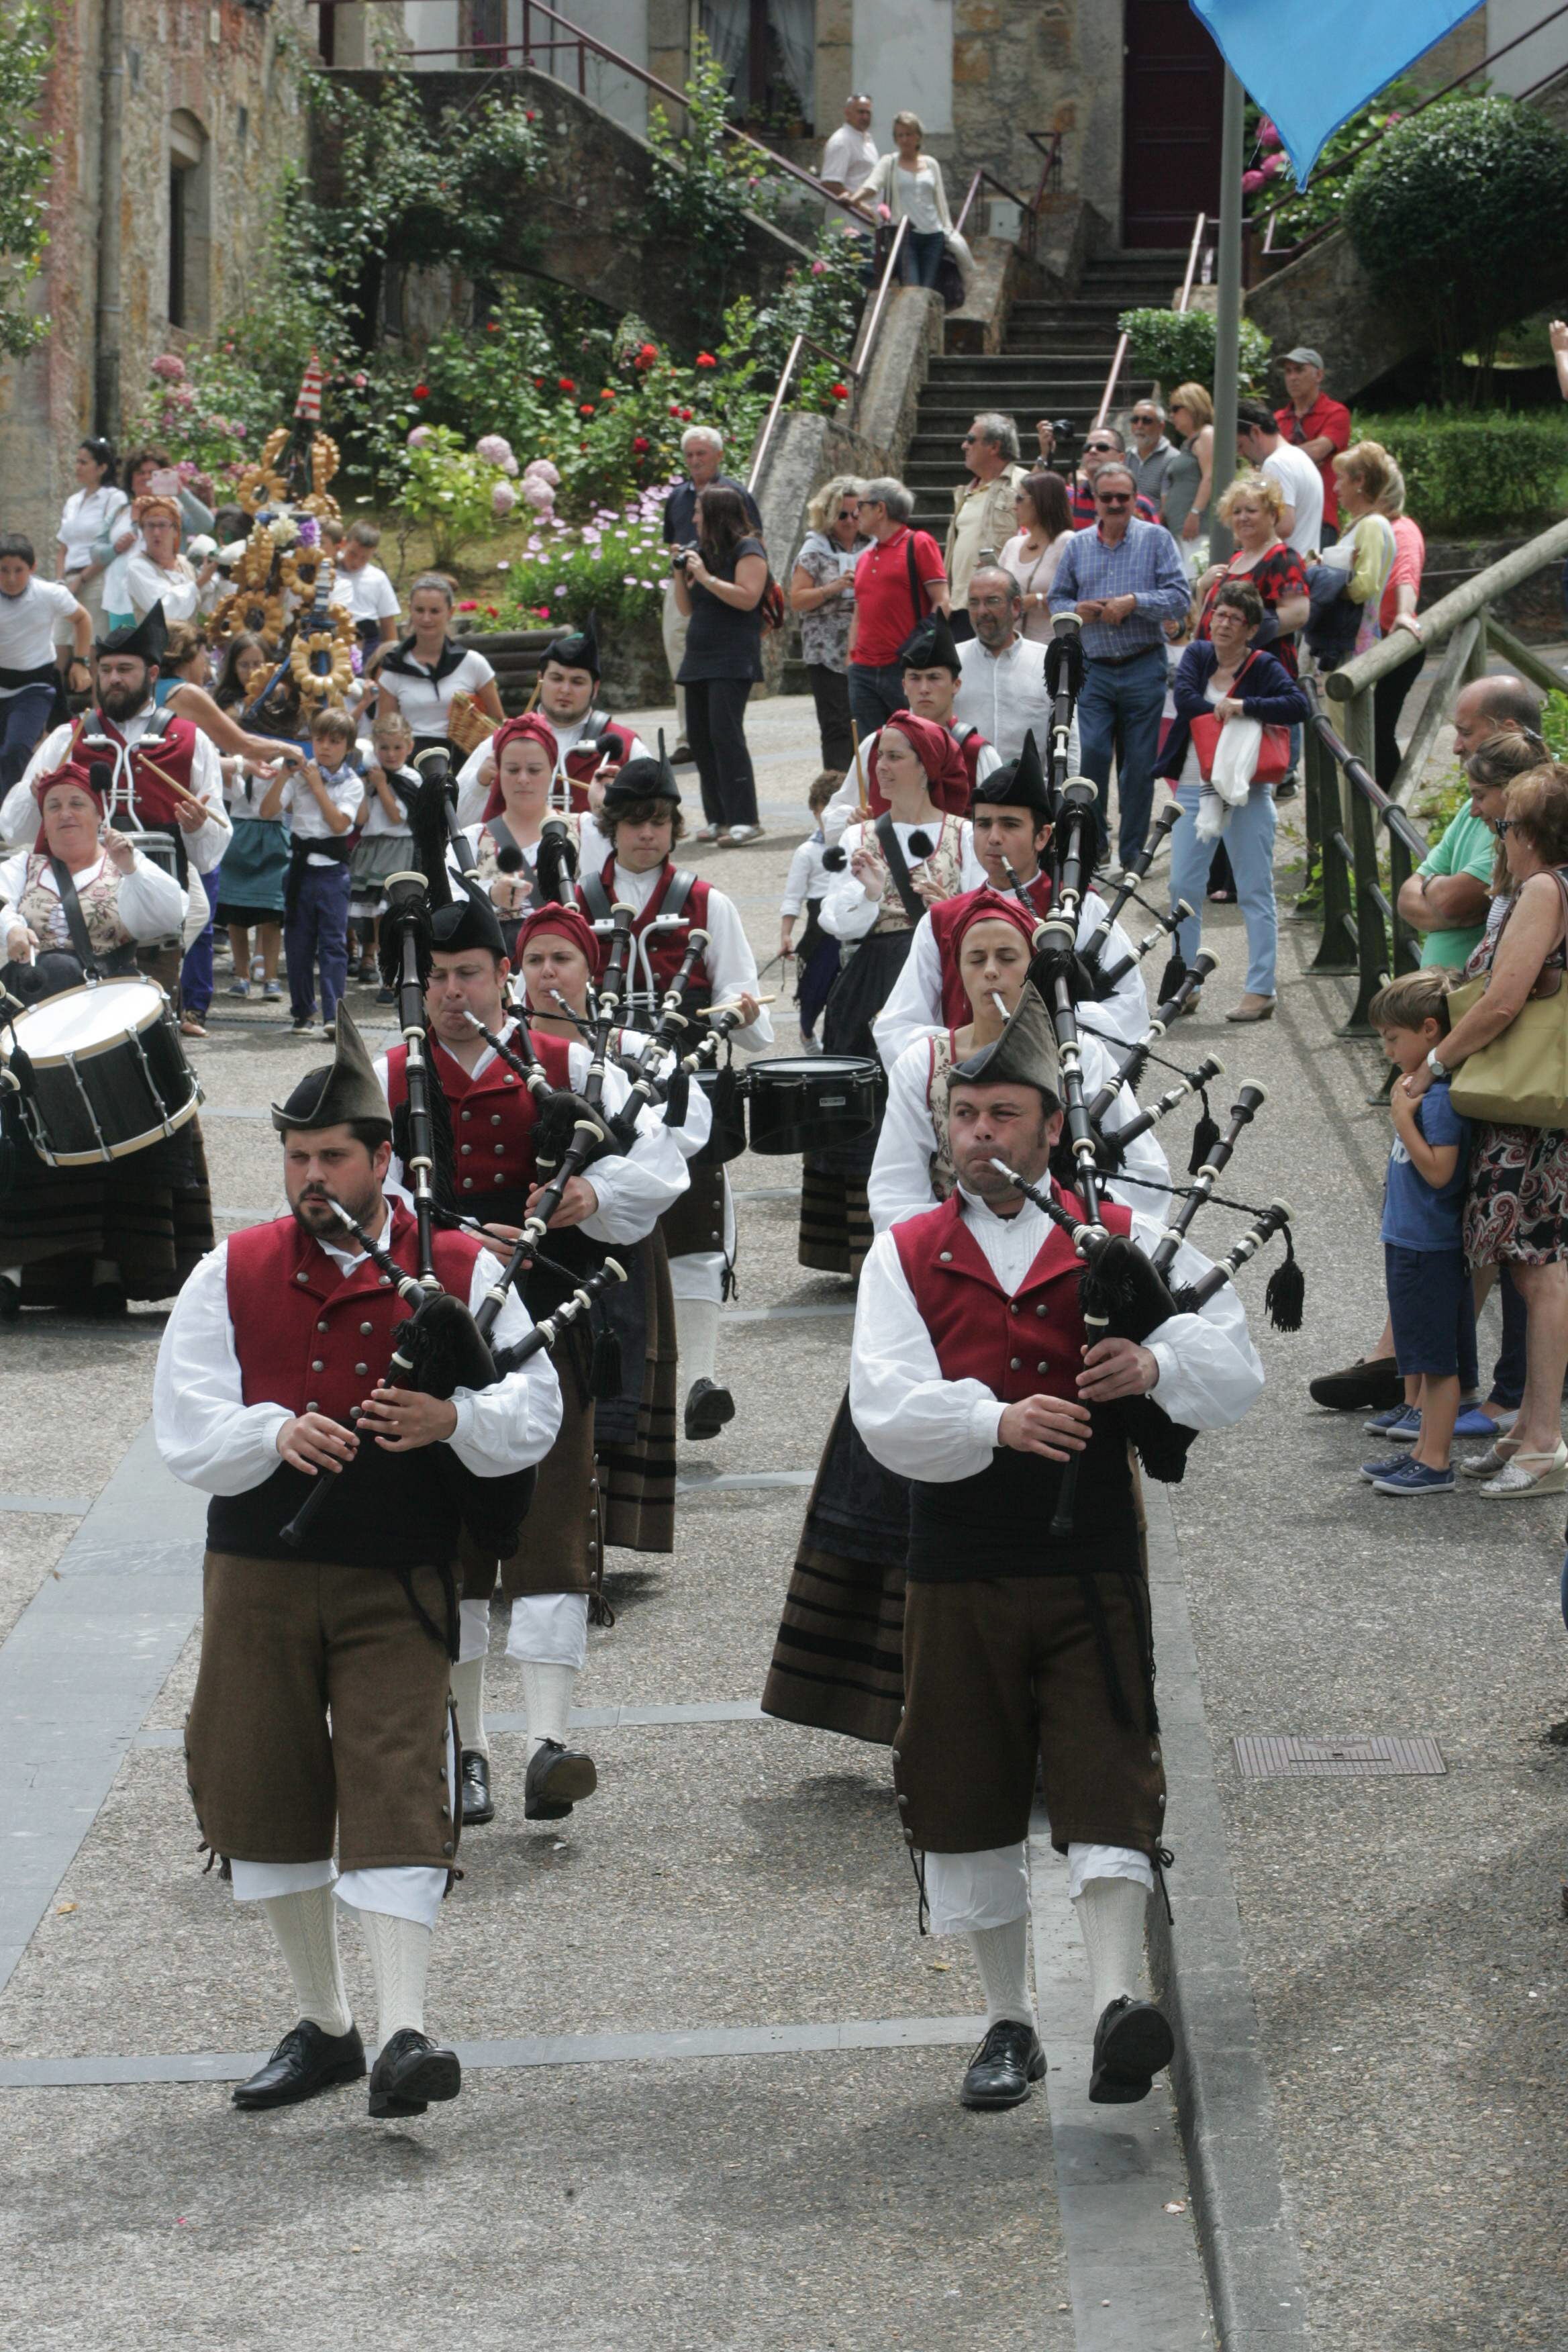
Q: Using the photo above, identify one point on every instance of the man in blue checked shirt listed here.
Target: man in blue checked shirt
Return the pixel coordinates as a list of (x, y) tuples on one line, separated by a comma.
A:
[(1124, 579)]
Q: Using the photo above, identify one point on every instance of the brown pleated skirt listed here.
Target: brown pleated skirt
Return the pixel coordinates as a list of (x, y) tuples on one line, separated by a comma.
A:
[(150, 1213), (636, 1478)]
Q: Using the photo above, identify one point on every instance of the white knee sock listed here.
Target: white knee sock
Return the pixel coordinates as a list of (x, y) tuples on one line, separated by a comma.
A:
[(695, 1339), (399, 1954), (1002, 1955), (306, 1928), (468, 1695), (547, 1695), (1111, 1912)]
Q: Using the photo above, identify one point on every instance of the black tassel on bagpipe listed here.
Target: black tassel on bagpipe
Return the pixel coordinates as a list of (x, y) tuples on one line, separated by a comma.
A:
[(1171, 979)]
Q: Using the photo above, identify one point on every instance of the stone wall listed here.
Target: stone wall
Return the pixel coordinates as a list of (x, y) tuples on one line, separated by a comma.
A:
[(231, 74)]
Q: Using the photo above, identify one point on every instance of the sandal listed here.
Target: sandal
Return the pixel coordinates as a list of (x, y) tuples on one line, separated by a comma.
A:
[(1513, 1482), (708, 832), (1497, 1456), (190, 1026)]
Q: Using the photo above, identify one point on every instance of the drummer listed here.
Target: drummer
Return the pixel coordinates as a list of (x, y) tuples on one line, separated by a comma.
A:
[(526, 756), (912, 857), (933, 673), (130, 1227), (641, 817), (589, 743), (1012, 828)]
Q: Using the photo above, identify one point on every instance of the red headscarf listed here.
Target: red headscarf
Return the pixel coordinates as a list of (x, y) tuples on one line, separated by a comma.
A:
[(568, 922), (71, 773), (988, 906), (938, 754), (529, 729)]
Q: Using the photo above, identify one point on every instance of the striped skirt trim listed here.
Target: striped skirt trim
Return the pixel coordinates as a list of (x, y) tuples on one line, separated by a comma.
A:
[(151, 1215), (838, 1663), (636, 1477), (835, 1223)]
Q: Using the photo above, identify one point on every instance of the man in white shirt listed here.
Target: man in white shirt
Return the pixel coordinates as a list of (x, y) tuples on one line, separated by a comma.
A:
[(1003, 689), (850, 156), (1261, 443), (31, 610)]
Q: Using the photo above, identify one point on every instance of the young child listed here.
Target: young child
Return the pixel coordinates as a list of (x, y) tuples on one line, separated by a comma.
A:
[(391, 786), (320, 800), (1430, 1301), (816, 964)]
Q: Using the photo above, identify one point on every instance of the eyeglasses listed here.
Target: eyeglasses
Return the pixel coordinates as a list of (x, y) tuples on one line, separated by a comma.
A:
[(1114, 498), (1503, 825), (1099, 448)]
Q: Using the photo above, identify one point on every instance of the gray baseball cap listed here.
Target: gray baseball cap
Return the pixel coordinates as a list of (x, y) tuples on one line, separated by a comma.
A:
[(1303, 356)]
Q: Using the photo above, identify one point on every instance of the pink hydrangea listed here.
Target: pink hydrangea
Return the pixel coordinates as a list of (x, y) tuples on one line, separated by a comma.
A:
[(1251, 182), (170, 366), (538, 494), (1268, 135), (493, 447), (540, 469), (503, 497), (418, 437)]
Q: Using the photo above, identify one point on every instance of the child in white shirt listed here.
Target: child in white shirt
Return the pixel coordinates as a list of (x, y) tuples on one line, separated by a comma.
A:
[(321, 801), (391, 786)]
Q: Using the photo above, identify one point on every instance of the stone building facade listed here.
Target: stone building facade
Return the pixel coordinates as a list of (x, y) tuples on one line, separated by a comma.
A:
[(172, 121)]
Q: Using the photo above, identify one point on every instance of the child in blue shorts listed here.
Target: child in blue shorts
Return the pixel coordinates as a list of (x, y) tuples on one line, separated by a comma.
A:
[(1431, 1304)]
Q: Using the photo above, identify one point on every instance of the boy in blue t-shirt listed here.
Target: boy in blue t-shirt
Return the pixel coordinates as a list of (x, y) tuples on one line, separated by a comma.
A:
[(1431, 1305)]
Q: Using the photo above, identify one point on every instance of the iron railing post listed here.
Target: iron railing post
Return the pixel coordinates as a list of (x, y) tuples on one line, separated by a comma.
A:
[(1334, 881)]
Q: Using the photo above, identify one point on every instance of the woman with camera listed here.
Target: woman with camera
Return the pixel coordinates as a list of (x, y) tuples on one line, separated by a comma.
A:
[(720, 583)]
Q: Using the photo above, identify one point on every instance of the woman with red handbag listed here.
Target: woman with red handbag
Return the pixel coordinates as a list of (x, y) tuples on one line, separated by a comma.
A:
[(1223, 678)]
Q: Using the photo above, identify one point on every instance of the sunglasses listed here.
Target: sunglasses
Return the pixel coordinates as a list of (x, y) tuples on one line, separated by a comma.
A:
[(1099, 449), (1114, 498), (1502, 825)]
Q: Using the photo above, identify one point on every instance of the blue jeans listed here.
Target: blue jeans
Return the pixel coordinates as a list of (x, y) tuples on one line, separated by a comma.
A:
[(317, 933), (24, 719), (1248, 838), (196, 970), (921, 256), (1119, 717), (875, 694)]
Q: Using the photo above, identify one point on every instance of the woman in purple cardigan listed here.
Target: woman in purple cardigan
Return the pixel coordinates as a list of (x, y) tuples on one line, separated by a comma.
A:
[(1224, 675)]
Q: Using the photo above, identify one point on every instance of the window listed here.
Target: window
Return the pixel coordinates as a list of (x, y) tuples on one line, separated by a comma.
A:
[(767, 49), (189, 224)]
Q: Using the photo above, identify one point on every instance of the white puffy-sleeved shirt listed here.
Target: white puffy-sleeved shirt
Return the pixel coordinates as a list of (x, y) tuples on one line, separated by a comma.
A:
[(147, 584), (920, 1425), (149, 902), (915, 1003), (474, 785), (19, 816), (731, 966), (848, 912), (841, 809), (693, 1132), (209, 1437), (634, 1188), (899, 1183)]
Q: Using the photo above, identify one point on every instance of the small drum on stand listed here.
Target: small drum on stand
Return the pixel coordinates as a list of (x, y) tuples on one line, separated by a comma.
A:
[(723, 1088), (101, 1071), (810, 1102)]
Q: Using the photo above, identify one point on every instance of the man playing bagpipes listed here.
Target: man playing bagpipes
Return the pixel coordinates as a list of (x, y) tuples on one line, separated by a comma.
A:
[(501, 1098), (1028, 1632), (320, 1714), (589, 741)]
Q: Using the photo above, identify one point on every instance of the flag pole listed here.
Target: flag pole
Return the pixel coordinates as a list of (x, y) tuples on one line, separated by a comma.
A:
[(1227, 318)]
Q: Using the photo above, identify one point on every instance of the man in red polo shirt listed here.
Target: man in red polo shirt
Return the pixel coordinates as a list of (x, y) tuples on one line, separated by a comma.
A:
[(899, 580), (1315, 424)]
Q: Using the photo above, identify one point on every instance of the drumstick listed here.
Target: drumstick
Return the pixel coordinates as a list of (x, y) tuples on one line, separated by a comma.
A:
[(863, 814), (191, 799), (708, 1011)]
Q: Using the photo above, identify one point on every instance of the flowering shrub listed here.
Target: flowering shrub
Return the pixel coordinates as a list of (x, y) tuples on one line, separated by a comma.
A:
[(210, 408), (458, 494), (612, 565)]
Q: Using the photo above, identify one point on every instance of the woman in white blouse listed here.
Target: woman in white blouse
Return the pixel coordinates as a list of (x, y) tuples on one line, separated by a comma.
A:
[(91, 512), (420, 674), (156, 572), (907, 185), (124, 898), (1032, 555)]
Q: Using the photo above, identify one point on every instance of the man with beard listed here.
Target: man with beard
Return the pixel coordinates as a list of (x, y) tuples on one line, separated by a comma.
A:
[(591, 742), (320, 1714)]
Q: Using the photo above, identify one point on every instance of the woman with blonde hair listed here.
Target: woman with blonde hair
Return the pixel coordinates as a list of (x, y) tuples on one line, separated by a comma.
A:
[(1192, 415), (1348, 579), (907, 185), (822, 590), (1251, 507)]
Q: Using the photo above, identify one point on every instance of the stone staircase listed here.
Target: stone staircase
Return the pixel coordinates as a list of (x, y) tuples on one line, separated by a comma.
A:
[(1054, 362)]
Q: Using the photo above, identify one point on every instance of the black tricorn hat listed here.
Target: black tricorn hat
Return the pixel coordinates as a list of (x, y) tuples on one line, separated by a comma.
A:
[(641, 780), (147, 638), (1020, 784), (471, 922), (1024, 1055), (580, 650), (345, 1088), (931, 645)]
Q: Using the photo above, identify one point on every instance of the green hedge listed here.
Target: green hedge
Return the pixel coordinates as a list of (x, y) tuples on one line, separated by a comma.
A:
[(1469, 471), (1177, 347)]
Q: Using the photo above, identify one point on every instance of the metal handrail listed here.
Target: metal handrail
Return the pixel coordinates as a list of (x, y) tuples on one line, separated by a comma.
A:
[(1119, 355), (868, 336), (1186, 293), (1050, 149), (854, 369)]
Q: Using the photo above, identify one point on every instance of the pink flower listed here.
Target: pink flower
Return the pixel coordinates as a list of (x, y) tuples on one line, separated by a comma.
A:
[(170, 366), (1251, 182), (239, 432), (187, 469), (469, 604), (503, 497), (418, 437), (1272, 165), (1267, 136), (493, 447), (537, 493), (184, 396), (361, 382), (819, 268), (540, 469)]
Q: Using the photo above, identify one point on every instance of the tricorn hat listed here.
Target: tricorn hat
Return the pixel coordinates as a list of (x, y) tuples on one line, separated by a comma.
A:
[(578, 651), (931, 645), (639, 781), (469, 921), (1020, 784), (347, 1088), (146, 639), (1024, 1055)]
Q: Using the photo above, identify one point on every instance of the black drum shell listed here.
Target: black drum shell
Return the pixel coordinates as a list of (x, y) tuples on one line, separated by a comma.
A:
[(808, 1102), (129, 1086)]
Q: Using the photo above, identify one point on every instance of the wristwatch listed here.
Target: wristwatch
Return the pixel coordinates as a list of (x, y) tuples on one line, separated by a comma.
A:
[(1435, 1065)]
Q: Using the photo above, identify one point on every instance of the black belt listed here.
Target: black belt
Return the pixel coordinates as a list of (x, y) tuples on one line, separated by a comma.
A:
[(1120, 661)]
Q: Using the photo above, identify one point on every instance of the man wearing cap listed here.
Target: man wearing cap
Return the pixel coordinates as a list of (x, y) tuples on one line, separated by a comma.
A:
[(974, 1377), (932, 668), (491, 1172), (589, 741), (1313, 422), (1010, 824), (642, 818), (321, 1713)]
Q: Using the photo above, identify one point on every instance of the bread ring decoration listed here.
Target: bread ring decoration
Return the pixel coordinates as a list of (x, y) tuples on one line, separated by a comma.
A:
[(272, 449), (254, 569), (301, 568), (251, 491), (320, 661), (256, 610), (319, 502), (325, 459)]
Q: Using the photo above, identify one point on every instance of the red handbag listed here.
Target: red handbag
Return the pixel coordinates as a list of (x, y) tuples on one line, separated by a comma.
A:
[(1274, 754)]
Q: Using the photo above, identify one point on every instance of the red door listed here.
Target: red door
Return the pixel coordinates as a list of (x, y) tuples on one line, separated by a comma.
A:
[(1172, 98)]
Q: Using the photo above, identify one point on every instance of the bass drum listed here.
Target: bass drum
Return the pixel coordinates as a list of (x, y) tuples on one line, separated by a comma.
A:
[(727, 1103), (102, 1073), (811, 1101)]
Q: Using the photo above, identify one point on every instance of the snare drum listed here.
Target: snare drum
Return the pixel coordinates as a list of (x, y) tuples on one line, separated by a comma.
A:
[(811, 1101), (106, 1072), (728, 1140)]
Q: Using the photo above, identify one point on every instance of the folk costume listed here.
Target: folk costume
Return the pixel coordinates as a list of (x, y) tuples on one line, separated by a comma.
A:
[(581, 744), (1022, 1645), (559, 1559), (930, 646), (875, 928), (671, 902), (321, 1713), (520, 875)]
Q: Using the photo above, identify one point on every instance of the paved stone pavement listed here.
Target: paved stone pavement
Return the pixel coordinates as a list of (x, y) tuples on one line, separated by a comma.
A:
[(710, 2099)]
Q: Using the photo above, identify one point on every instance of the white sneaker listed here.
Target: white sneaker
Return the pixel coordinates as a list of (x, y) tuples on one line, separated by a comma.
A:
[(741, 833)]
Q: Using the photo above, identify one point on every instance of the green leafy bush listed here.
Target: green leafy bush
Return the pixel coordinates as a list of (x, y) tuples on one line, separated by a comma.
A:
[(210, 406), (1472, 471), (1270, 180), (26, 46), (459, 495), (1451, 217), (1177, 347), (704, 182), (612, 565)]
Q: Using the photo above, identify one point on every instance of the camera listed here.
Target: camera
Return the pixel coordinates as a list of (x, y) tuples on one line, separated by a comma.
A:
[(681, 558)]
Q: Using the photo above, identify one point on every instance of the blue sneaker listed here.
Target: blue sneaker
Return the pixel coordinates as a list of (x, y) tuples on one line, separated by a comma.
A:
[(1414, 1478), (1372, 1470), (1392, 1423), (1474, 1423)]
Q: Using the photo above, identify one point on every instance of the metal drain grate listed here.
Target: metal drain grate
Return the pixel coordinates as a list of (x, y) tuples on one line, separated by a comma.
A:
[(1273, 1756)]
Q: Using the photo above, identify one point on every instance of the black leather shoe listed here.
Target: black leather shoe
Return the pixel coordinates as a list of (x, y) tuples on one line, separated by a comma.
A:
[(479, 1806), (709, 1407), (306, 2061), (410, 2073), (1132, 2043), (557, 1776), (684, 756), (110, 1303), (1372, 1383), (10, 1299), (1001, 2070)]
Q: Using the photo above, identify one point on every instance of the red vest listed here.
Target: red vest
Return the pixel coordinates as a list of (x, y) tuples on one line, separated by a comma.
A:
[(493, 1115), (156, 806), (1029, 1345), (944, 918), (579, 765), (944, 796), (311, 1338), (667, 949)]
